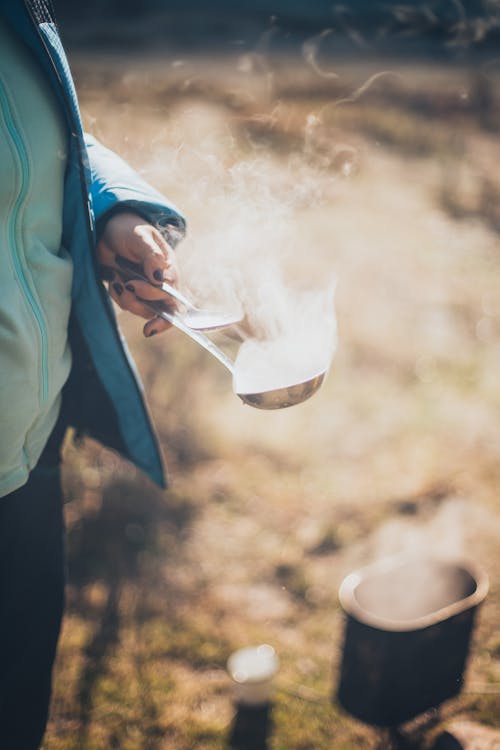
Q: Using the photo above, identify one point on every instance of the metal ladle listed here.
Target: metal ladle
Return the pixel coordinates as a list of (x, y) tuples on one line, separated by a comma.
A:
[(276, 398)]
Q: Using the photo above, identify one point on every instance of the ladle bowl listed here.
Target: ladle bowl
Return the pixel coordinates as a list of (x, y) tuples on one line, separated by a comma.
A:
[(280, 398), (275, 398)]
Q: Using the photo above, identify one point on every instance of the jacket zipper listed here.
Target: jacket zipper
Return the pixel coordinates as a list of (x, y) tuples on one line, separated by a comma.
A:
[(90, 234), (23, 164)]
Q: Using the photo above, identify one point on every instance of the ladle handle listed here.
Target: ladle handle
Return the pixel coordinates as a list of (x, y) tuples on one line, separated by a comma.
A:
[(200, 338), (169, 289)]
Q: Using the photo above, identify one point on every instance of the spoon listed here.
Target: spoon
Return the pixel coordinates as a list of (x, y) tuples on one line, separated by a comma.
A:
[(275, 398), (193, 317)]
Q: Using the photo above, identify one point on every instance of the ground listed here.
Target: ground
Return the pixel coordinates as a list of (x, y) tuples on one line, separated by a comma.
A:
[(292, 179)]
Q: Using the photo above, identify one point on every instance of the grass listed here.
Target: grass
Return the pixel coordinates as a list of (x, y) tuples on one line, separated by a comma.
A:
[(267, 512)]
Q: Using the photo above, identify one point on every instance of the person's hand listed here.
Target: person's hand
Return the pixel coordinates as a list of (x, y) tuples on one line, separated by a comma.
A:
[(130, 237)]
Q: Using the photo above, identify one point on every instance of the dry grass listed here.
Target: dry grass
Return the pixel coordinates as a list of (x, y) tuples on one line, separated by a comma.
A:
[(399, 450)]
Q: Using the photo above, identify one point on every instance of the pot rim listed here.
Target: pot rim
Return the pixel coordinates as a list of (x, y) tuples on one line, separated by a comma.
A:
[(351, 606)]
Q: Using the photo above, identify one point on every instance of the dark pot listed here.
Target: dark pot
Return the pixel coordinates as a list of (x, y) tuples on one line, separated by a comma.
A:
[(407, 636)]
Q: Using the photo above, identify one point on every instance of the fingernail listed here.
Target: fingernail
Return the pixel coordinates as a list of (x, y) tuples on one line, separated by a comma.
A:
[(130, 287), (118, 289), (158, 274), (151, 333)]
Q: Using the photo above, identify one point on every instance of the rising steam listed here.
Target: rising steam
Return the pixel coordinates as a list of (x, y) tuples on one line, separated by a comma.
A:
[(295, 342), (289, 331), (310, 50)]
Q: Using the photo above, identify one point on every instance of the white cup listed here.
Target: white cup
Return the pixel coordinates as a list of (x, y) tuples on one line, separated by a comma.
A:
[(252, 670)]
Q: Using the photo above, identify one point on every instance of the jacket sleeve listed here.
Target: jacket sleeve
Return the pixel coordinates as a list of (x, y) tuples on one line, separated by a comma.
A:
[(115, 184)]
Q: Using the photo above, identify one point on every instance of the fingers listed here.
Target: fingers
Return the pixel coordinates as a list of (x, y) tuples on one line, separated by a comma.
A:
[(125, 295), (126, 300), (156, 325), (129, 236), (157, 257), (146, 291)]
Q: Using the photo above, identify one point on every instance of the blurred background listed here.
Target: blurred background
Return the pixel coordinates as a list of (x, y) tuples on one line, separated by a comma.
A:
[(170, 24), (312, 146)]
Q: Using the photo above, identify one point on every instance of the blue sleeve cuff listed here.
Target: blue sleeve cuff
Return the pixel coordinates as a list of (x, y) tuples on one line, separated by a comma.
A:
[(115, 184)]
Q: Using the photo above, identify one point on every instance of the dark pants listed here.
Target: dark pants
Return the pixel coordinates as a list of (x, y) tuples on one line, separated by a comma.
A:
[(31, 601)]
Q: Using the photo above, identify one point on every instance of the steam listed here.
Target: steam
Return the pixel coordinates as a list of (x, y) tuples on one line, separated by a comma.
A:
[(419, 565), (243, 253), (310, 50), (414, 588), (258, 59), (296, 341), (361, 90), (289, 331), (457, 25), (318, 141), (460, 30), (449, 534), (342, 13)]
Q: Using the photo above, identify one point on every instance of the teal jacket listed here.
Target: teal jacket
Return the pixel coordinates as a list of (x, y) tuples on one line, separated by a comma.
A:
[(103, 397)]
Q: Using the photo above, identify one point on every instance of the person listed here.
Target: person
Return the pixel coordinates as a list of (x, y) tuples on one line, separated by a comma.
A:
[(71, 212)]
